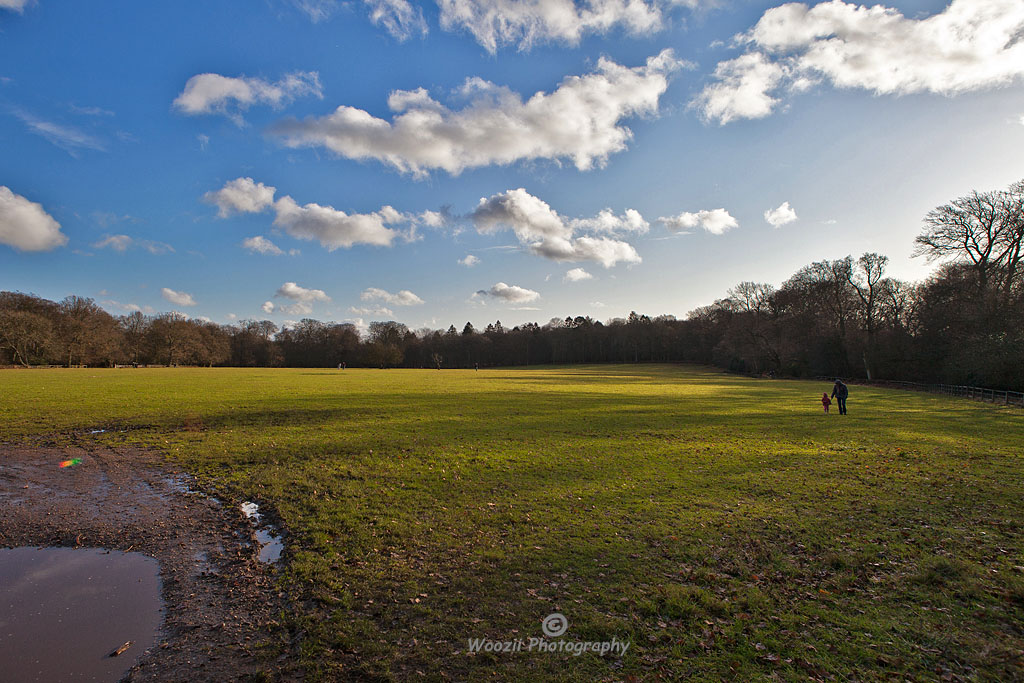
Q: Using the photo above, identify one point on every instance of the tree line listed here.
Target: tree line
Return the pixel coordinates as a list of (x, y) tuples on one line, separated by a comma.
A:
[(964, 324)]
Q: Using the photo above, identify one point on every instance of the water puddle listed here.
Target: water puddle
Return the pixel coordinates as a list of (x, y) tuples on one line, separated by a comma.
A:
[(267, 535), (183, 484), (64, 611)]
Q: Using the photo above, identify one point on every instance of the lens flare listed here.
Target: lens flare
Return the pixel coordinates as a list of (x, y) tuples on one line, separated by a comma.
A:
[(70, 463)]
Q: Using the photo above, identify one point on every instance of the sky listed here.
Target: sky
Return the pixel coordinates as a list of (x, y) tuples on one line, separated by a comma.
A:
[(442, 161)]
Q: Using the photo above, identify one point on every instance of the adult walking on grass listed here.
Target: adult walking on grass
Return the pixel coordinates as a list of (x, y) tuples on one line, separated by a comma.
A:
[(839, 393)]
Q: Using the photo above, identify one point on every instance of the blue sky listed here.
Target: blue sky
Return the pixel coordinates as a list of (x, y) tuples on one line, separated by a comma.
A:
[(284, 159)]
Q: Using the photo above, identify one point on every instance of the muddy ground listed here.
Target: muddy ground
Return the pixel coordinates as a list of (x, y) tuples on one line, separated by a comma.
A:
[(222, 610)]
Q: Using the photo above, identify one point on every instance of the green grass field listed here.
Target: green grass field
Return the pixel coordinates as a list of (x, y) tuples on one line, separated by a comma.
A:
[(722, 525)]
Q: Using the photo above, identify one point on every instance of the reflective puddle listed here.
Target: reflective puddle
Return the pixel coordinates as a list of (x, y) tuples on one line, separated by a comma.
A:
[(63, 611), (269, 538)]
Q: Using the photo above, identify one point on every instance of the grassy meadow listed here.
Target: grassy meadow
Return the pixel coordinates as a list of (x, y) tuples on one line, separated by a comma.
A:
[(724, 526)]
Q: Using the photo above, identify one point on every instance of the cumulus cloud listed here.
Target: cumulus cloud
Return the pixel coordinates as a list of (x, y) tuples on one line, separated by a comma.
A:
[(545, 233), (178, 298), (261, 245), (512, 294), (469, 261), (780, 216), (581, 120), (603, 250), (741, 90), (715, 221), (241, 195), (26, 226), (433, 219), (526, 22), (215, 94), (325, 224), (402, 298), (397, 17), (577, 275), (607, 221), (970, 45), (291, 290), (123, 243), (334, 228), (267, 307)]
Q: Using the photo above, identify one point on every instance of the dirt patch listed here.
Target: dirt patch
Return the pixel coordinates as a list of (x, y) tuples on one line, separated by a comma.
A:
[(222, 608)]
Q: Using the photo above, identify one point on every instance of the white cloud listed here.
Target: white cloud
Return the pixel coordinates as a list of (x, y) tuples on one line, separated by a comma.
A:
[(512, 294), (715, 221), (783, 215), (360, 324), (66, 137), (331, 227), (398, 17), (376, 311), (26, 226), (178, 298), (318, 10), (742, 89), (577, 275), (970, 45), (529, 217), (242, 195), (545, 233), (433, 219), (215, 94), (290, 290), (15, 5), (607, 221), (267, 307), (469, 261), (123, 243), (88, 111), (597, 304), (603, 250), (297, 308), (580, 120), (130, 308), (204, 140), (495, 23), (262, 245), (402, 298)]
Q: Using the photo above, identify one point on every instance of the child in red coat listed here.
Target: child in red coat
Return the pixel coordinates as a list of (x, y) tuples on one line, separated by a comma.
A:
[(826, 401)]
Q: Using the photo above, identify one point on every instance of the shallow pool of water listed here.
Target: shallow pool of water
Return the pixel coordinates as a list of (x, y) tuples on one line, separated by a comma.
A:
[(63, 611), (267, 535)]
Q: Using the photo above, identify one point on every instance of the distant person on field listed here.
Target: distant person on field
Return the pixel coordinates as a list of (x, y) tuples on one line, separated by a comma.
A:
[(839, 393), (825, 401)]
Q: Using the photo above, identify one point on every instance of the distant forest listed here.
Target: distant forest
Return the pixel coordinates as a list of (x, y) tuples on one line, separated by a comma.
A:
[(962, 325)]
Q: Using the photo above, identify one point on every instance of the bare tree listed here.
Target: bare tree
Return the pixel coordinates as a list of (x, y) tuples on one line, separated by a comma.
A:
[(25, 334), (985, 229), (866, 279)]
